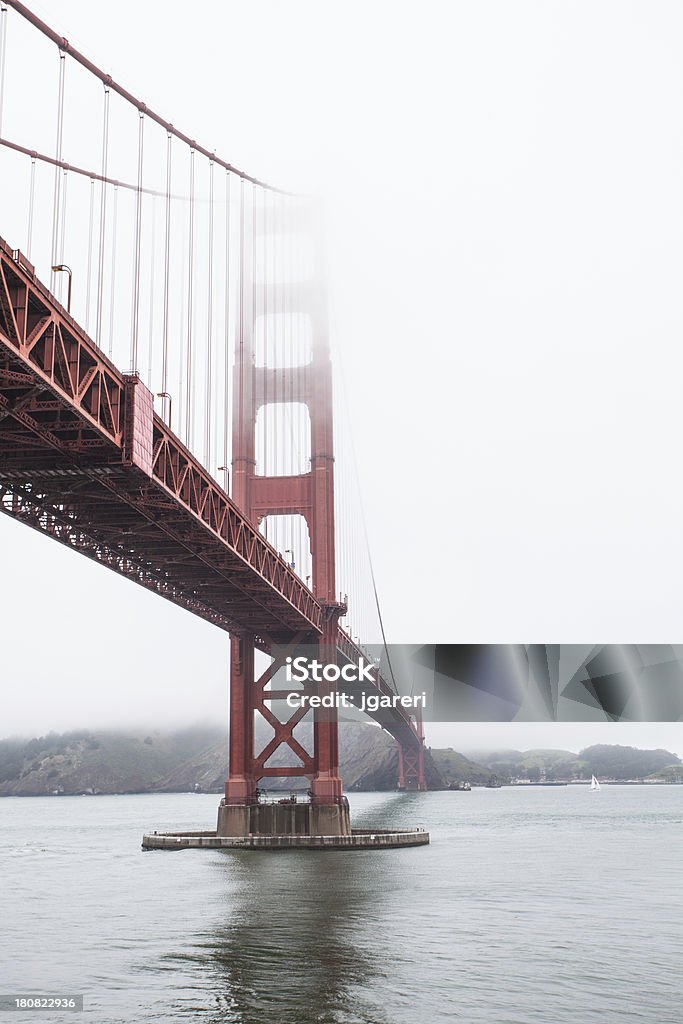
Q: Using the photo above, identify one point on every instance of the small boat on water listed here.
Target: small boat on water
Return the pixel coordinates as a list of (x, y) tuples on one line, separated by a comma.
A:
[(594, 783)]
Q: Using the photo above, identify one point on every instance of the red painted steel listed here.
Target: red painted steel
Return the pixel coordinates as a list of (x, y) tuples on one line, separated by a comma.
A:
[(411, 760), (85, 460), (309, 494), (139, 501), (78, 464)]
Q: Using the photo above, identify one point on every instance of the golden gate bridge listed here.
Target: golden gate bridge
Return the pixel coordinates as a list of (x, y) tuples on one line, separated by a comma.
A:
[(167, 403)]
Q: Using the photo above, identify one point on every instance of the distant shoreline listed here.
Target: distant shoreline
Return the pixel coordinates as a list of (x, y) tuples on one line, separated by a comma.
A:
[(189, 792)]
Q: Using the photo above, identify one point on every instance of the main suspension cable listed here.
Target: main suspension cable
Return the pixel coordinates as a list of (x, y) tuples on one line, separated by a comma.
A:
[(67, 48)]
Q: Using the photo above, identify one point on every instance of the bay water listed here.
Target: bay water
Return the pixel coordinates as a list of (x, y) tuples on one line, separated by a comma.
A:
[(531, 905)]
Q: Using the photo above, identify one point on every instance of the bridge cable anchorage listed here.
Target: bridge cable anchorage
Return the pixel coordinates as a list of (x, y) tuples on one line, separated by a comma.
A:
[(167, 261), (103, 217), (137, 241), (58, 164), (190, 277)]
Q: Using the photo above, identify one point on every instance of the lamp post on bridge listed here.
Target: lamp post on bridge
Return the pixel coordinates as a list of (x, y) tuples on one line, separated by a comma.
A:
[(165, 394), (62, 268), (226, 479)]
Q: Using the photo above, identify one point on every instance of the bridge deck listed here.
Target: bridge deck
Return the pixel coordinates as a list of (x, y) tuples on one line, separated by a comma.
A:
[(84, 458)]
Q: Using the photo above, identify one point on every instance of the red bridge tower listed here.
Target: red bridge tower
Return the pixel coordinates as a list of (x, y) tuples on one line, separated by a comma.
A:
[(311, 495)]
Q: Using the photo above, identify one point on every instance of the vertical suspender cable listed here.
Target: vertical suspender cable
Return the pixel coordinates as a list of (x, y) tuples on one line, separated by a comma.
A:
[(270, 423), (103, 218), (268, 359), (182, 277), (138, 243), (240, 401), (296, 381), (65, 182), (280, 407), (89, 269), (295, 377), (112, 298), (268, 327), (265, 329), (226, 366), (253, 290), (208, 424), (167, 264), (58, 158), (3, 51), (32, 192), (190, 275), (152, 268)]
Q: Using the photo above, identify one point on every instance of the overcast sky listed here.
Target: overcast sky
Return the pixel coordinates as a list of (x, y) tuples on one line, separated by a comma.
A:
[(503, 185)]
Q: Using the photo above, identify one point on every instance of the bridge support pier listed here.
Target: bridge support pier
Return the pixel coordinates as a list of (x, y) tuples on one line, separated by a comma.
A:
[(411, 770), (240, 812), (240, 787), (286, 819), (411, 762), (329, 812)]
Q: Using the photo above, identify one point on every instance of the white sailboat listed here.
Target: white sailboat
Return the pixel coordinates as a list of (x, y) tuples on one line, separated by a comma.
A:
[(594, 783)]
